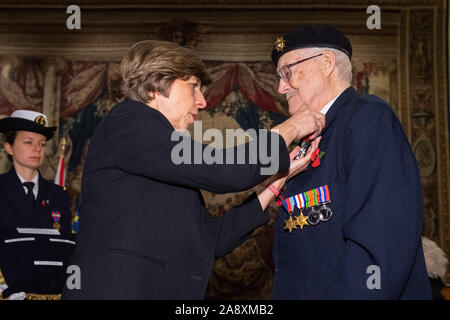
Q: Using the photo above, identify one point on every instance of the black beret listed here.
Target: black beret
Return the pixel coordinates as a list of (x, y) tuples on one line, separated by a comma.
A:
[(311, 36)]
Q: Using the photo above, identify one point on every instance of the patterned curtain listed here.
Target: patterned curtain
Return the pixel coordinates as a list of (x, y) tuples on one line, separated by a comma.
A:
[(83, 83), (21, 85), (256, 83)]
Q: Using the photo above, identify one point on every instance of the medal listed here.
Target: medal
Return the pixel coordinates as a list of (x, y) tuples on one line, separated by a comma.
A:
[(325, 213), (290, 224), (301, 220), (56, 215), (309, 199), (314, 217), (303, 149)]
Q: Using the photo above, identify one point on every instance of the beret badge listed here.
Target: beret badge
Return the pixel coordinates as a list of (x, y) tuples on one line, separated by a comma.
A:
[(279, 44)]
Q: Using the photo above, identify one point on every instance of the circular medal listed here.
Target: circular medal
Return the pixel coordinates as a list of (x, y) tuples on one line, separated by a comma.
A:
[(56, 225), (325, 213), (313, 217)]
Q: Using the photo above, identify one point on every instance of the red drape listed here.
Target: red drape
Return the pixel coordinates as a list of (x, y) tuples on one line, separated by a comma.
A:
[(226, 77), (82, 83)]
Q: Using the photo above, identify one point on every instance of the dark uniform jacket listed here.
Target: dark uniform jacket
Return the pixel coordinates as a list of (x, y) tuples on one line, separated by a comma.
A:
[(144, 231), (30, 261), (377, 213)]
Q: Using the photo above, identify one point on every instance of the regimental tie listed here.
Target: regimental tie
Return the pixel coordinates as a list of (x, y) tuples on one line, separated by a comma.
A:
[(309, 199), (30, 195)]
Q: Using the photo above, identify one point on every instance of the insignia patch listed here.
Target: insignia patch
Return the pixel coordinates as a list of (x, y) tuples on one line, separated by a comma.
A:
[(280, 44), (40, 120)]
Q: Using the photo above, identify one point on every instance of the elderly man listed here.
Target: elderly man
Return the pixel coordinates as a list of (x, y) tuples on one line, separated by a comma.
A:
[(350, 225)]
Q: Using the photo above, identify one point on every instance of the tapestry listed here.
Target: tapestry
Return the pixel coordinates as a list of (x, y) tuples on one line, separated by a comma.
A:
[(402, 63)]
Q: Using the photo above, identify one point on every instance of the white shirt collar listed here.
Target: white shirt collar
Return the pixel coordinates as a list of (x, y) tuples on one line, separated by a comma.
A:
[(328, 105), (36, 183)]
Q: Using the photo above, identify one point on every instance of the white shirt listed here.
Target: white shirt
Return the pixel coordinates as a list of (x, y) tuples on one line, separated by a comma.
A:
[(329, 104), (36, 184)]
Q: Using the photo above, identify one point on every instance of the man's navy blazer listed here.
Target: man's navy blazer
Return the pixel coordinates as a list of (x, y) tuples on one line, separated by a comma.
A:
[(371, 247), (144, 231)]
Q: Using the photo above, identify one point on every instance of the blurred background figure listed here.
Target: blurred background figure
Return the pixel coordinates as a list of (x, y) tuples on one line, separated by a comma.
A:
[(436, 262)]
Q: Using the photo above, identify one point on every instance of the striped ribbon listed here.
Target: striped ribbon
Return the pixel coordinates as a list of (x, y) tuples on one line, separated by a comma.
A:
[(307, 199), (56, 215)]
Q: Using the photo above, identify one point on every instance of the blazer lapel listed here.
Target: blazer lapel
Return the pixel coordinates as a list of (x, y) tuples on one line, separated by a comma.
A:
[(17, 196), (341, 101), (43, 197), (43, 189)]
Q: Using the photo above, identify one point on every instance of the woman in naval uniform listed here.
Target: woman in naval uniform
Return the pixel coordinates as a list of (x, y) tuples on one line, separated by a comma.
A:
[(35, 217)]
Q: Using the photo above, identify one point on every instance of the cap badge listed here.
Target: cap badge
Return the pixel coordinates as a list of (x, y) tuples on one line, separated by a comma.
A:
[(280, 44), (40, 120)]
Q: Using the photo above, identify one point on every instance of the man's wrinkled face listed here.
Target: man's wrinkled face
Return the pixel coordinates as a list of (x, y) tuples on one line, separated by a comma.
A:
[(307, 80)]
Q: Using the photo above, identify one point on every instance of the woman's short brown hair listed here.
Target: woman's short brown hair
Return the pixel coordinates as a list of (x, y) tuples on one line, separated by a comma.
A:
[(152, 66), (10, 137)]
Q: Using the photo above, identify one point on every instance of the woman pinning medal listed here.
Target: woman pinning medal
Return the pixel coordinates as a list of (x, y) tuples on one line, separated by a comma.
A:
[(31, 209), (144, 231)]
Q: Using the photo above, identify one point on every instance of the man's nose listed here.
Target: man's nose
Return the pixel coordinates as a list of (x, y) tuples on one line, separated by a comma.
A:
[(283, 87)]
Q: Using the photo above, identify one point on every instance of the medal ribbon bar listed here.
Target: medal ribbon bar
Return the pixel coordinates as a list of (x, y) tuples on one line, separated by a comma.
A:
[(308, 199)]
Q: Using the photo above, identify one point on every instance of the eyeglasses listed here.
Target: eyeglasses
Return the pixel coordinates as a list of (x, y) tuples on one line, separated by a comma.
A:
[(285, 72)]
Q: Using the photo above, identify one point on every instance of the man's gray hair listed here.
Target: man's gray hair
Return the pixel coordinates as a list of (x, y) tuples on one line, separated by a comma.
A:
[(343, 64)]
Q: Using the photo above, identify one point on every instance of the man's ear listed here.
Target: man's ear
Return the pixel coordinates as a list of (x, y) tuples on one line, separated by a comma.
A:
[(329, 62)]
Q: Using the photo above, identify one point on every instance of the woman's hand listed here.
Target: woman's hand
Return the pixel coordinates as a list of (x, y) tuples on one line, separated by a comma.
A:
[(279, 180), (302, 124), (298, 165)]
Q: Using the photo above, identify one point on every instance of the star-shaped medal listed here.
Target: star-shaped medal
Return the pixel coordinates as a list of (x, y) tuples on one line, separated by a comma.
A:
[(301, 220), (290, 224)]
